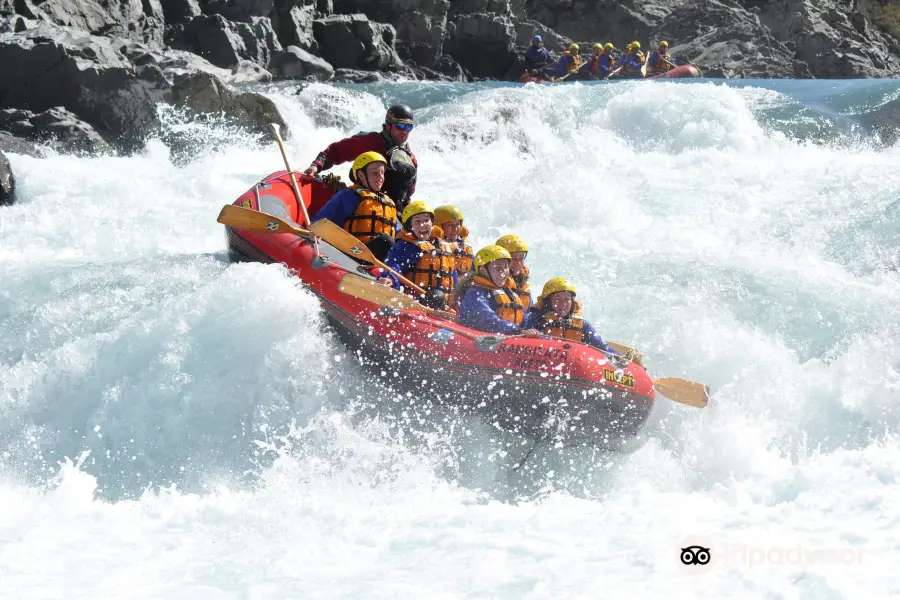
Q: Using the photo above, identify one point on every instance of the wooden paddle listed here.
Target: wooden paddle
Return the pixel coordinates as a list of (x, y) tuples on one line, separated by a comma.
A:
[(615, 72), (247, 218), (674, 388), (348, 243), (368, 289), (276, 129), (683, 391)]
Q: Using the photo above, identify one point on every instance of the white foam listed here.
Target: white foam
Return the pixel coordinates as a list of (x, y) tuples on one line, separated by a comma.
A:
[(725, 251)]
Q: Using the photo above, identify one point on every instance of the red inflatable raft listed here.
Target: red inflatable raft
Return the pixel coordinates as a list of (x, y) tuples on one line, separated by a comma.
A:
[(683, 71), (537, 387)]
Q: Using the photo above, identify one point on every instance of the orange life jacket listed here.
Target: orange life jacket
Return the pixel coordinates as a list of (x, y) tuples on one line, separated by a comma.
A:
[(434, 271), (507, 304), (462, 252), (576, 61), (522, 289), (662, 66), (375, 214), (570, 327)]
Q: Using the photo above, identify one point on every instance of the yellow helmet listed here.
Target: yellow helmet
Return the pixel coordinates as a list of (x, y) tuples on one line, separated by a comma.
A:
[(609, 46), (557, 284), (573, 48), (364, 159), (636, 45), (598, 46), (490, 254), (628, 47), (416, 208), (446, 213), (663, 43), (512, 243)]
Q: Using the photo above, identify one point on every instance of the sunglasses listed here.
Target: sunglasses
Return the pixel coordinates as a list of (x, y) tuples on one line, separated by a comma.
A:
[(404, 126)]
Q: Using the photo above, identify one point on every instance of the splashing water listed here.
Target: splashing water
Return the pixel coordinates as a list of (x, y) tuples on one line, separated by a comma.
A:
[(175, 426)]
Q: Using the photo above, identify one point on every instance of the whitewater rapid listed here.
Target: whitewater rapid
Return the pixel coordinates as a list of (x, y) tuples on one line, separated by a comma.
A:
[(172, 426)]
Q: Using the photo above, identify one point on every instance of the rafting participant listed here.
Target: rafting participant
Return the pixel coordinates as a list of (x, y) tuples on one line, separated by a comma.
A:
[(537, 56), (633, 61), (608, 60), (558, 314), (567, 63), (592, 64), (363, 209), (488, 302), (391, 142), (660, 61), (422, 256), (519, 272), (450, 220)]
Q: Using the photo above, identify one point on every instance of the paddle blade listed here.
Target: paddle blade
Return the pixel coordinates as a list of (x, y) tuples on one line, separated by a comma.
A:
[(342, 240), (683, 391), (620, 348), (238, 216), (368, 289)]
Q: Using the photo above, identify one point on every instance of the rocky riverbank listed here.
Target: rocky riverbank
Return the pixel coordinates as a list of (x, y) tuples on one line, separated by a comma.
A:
[(89, 75)]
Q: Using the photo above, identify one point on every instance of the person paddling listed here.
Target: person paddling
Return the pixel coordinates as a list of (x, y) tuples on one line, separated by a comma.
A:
[(660, 61)]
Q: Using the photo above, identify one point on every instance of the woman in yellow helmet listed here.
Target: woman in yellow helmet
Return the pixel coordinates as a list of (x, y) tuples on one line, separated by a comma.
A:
[(518, 271), (489, 302), (422, 257), (362, 209), (450, 220), (558, 313)]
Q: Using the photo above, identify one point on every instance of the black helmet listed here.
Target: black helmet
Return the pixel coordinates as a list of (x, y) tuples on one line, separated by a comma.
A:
[(399, 113)]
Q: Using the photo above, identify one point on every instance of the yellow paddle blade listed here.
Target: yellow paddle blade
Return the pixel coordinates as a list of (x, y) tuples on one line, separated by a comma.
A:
[(347, 243), (368, 289), (245, 218), (620, 348), (683, 391), (342, 239)]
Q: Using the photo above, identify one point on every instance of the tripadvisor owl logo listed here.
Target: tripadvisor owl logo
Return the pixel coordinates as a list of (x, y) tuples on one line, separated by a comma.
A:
[(695, 555)]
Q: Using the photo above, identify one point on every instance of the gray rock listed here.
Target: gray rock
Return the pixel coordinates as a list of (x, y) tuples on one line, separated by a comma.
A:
[(420, 24), (13, 145), (100, 86), (225, 43), (240, 10), (141, 20), (57, 128), (295, 28), (484, 44), (833, 38), (180, 11), (180, 62), (7, 182), (203, 93), (354, 42), (48, 64), (296, 63), (726, 41), (525, 30)]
